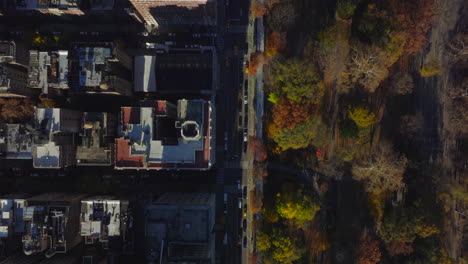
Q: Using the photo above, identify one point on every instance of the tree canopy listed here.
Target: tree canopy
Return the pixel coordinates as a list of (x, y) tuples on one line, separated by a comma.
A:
[(298, 79), (296, 205), (301, 136), (279, 247), (362, 115), (382, 170)]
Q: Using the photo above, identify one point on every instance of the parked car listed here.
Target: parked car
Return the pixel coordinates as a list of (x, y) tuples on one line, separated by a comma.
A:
[(244, 210), (244, 192), (244, 224), (246, 99), (245, 242)]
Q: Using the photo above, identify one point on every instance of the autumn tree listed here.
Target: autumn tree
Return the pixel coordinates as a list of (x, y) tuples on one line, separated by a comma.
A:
[(397, 247), (257, 60), (458, 47), (401, 227), (288, 114), (282, 15), (414, 19), (263, 241), (310, 132), (14, 110), (275, 43), (298, 79), (296, 205), (362, 115), (374, 25), (381, 170), (258, 9), (403, 83), (366, 66), (258, 148), (345, 8), (255, 201), (280, 247), (368, 251)]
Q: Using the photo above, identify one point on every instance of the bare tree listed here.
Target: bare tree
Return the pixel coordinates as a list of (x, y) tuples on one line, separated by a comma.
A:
[(458, 47), (382, 170), (403, 83), (366, 66)]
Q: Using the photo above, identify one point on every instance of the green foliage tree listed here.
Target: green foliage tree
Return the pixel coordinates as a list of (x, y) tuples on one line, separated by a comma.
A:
[(375, 25), (345, 8), (298, 79), (301, 136), (348, 128), (296, 205), (328, 37), (362, 115), (281, 248), (263, 241)]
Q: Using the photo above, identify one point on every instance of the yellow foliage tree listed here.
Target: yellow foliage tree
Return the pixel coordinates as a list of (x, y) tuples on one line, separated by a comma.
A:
[(363, 116)]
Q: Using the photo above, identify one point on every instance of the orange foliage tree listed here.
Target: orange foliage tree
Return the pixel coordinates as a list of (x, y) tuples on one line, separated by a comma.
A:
[(258, 9), (415, 18), (259, 149), (257, 59), (287, 114), (15, 110), (397, 247), (275, 43), (255, 201), (368, 251)]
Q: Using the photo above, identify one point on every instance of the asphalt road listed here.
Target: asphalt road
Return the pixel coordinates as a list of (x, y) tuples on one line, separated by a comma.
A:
[(232, 48)]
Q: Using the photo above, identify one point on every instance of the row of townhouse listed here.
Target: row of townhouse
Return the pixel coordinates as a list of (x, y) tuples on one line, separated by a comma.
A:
[(73, 228), (158, 134)]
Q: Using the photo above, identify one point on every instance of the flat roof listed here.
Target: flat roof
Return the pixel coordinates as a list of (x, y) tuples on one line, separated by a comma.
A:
[(140, 146), (145, 74), (92, 60), (48, 68), (93, 209), (184, 221), (18, 141)]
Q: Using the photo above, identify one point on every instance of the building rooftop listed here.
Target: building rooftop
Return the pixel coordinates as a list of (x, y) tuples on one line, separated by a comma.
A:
[(92, 62), (184, 221), (97, 210), (53, 7), (16, 141), (97, 138), (100, 217), (54, 134), (7, 51), (11, 215), (102, 4), (161, 72), (162, 135), (51, 221), (156, 13), (48, 69)]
